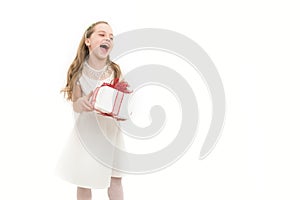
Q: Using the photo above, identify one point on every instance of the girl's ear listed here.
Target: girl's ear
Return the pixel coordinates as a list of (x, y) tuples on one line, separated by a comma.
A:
[(87, 42)]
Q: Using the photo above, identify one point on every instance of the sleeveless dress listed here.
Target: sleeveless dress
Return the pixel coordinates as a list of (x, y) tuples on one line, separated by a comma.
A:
[(76, 165)]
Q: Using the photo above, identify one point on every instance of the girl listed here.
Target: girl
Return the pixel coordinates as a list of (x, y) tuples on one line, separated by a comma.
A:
[(91, 67)]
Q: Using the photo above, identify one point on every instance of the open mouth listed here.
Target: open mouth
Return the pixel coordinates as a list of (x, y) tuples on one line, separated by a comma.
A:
[(104, 46)]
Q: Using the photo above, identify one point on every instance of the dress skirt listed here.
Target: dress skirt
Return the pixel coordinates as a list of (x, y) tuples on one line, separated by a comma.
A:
[(79, 163)]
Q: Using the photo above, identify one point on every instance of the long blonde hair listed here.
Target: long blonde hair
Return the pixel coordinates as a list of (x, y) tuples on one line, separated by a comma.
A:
[(76, 66)]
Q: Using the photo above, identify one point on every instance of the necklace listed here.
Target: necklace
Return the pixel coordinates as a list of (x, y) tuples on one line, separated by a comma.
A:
[(93, 73)]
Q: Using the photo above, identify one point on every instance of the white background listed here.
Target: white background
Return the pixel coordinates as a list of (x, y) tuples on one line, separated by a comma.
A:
[(255, 46)]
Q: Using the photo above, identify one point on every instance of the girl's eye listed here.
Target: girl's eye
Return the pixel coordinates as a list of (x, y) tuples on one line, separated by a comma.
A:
[(101, 35), (111, 38)]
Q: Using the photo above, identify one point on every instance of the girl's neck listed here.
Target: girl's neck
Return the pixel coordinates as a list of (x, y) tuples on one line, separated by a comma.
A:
[(95, 63)]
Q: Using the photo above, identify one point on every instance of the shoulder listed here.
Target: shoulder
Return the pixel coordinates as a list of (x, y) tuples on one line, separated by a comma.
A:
[(110, 72)]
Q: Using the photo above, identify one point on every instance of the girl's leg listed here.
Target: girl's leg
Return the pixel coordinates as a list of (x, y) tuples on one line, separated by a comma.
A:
[(84, 193), (115, 190)]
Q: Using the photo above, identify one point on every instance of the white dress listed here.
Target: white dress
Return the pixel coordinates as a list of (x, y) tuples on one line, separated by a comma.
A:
[(78, 166)]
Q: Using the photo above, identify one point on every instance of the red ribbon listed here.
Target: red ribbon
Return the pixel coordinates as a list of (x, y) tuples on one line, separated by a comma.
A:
[(120, 86), (110, 115)]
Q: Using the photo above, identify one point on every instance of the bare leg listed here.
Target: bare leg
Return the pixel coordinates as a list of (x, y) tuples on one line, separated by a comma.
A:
[(115, 191), (84, 193)]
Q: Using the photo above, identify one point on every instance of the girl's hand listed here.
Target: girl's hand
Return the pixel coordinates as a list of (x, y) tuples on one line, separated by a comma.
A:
[(83, 104)]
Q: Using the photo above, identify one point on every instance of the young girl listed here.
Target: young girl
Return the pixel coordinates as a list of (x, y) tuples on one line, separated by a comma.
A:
[(90, 68)]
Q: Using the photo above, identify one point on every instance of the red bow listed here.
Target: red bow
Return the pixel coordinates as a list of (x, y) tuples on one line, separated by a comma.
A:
[(121, 86)]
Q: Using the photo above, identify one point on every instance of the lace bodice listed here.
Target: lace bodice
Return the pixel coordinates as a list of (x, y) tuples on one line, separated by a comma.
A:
[(91, 78)]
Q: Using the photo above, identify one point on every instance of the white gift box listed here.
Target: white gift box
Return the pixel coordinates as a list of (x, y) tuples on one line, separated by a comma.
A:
[(109, 101)]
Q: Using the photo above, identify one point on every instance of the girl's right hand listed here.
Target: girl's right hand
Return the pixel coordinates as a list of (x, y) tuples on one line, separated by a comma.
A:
[(83, 103)]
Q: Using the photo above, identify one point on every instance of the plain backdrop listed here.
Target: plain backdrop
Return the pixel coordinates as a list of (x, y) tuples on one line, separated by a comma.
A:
[(255, 46)]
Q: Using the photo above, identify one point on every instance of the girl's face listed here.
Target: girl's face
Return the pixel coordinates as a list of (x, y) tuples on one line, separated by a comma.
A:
[(100, 43)]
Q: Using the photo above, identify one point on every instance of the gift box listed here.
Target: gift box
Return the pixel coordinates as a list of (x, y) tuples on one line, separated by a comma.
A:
[(108, 98)]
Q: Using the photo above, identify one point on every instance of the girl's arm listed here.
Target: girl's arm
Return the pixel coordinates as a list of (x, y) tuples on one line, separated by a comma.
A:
[(81, 103)]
